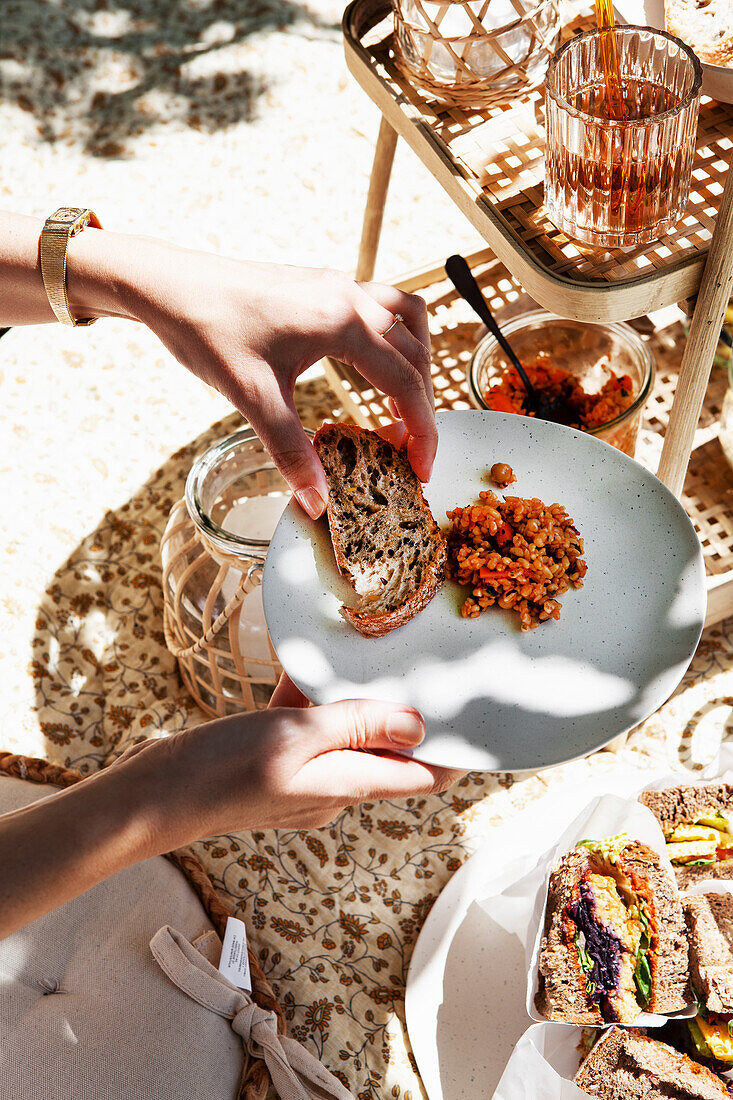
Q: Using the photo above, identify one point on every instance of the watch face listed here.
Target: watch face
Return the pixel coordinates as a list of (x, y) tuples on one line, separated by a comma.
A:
[(66, 214)]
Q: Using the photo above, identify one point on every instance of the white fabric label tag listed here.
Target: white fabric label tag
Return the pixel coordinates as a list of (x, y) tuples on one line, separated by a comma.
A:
[(234, 962)]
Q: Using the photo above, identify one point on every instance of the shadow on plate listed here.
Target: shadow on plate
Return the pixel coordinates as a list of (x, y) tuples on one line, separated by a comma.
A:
[(511, 701)]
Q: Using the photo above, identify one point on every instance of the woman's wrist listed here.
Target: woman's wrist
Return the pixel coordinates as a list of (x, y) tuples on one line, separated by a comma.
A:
[(105, 274), (146, 786)]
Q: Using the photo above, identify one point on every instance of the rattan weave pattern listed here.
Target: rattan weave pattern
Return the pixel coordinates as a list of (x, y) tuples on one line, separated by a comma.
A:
[(708, 494), (211, 663), (499, 153)]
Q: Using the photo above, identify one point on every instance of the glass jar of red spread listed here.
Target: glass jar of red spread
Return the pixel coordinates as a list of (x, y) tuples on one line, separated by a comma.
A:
[(604, 372)]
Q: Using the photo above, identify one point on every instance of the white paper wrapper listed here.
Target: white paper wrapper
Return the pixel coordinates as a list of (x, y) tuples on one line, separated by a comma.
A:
[(542, 1066)]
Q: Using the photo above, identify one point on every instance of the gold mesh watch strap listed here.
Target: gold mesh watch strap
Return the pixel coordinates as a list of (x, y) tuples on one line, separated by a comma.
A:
[(58, 230)]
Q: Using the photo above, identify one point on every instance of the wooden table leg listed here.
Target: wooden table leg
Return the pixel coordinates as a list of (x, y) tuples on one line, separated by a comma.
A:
[(378, 184), (697, 358)]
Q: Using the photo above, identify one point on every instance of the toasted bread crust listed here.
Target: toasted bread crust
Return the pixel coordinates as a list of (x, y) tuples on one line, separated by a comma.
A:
[(369, 447), (705, 25), (624, 1065), (680, 805)]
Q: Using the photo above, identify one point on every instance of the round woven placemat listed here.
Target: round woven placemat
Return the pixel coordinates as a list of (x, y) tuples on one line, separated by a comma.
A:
[(332, 914)]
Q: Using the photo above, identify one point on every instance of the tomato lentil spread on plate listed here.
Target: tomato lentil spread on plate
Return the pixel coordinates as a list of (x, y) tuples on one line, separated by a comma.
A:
[(592, 410), (518, 554)]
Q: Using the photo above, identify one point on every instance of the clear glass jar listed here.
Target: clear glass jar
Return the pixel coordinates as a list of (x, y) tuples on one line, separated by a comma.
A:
[(588, 351), (476, 53), (213, 551)]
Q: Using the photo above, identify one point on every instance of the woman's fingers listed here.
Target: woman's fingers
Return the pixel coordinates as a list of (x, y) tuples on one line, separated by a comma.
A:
[(276, 421), (349, 777), (286, 694), (410, 336), (395, 433), (380, 308), (409, 306), (390, 372), (398, 363), (361, 724)]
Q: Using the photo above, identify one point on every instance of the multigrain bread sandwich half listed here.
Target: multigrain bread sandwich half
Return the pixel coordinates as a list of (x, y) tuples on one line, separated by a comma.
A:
[(385, 540), (710, 933), (625, 1065), (708, 1037), (614, 941), (697, 823)]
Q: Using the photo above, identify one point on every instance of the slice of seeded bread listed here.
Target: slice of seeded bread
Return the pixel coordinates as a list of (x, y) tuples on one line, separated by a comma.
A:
[(705, 25), (681, 805), (710, 930), (386, 542), (561, 991), (624, 1065)]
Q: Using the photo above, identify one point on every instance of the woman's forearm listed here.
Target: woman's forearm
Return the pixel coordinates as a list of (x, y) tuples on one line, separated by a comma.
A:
[(100, 273), (290, 767), (60, 847)]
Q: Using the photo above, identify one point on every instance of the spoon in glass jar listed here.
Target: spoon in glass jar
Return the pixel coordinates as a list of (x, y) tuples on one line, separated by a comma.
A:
[(545, 408)]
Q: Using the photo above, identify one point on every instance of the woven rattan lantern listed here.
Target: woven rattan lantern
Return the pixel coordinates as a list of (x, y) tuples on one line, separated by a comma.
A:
[(475, 53), (213, 551)]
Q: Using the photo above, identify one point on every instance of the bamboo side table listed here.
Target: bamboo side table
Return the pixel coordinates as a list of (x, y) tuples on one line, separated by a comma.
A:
[(490, 163)]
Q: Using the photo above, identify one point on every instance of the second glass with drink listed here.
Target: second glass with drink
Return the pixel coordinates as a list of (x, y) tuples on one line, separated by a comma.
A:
[(612, 181)]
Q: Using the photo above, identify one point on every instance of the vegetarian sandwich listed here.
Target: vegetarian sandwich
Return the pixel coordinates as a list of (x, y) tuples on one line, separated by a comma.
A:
[(626, 1065), (697, 823), (709, 1036), (614, 941)]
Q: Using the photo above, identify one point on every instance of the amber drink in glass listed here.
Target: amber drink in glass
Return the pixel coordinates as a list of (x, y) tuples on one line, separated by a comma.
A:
[(613, 181)]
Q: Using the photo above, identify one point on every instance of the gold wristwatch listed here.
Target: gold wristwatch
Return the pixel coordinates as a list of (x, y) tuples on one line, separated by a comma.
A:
[(60, 227)]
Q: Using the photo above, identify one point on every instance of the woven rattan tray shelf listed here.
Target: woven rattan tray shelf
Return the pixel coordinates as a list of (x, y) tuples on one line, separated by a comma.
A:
[(708, 491), (490, 162)]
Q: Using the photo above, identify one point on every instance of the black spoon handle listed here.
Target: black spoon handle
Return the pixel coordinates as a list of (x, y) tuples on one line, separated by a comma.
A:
[(460, 275)]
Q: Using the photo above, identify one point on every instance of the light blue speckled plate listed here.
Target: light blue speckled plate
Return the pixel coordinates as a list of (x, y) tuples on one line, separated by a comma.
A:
[(494, 698)]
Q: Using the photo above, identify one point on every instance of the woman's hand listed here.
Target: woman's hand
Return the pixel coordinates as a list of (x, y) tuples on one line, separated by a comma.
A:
[(290, 767), (251, 329), (247, 329)]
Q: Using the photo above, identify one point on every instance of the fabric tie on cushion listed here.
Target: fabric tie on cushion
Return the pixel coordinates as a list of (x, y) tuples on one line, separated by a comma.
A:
[(295, 1073)]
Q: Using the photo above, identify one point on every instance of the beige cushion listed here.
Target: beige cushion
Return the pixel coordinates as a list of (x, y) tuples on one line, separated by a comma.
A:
[(86, 1013)]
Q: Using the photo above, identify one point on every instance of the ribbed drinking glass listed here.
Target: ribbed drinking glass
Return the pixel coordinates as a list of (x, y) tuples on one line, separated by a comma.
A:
[(608, 181)]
